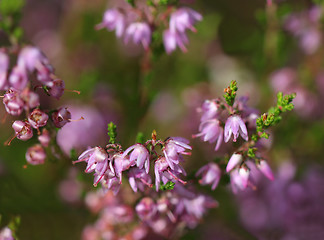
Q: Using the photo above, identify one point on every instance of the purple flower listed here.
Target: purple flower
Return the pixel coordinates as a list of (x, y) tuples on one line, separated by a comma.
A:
[(173, 39), (239, 178), (234, 124), (264, 167), (184, 18), (211, 174), (31, 58), (36, 155), (121, 163), (56, 88), (138, 178), (139, 154), (37, 118), (44, 138), (146, 209), (18, 78), (97, 160), (4, 65), (110, 182), (30, 98), (139, 32), (14, 105), (211, 131), (173, 149), (23, 130), (6, 234), (113, 20), (61, 117), (235, 160), (210, 110)]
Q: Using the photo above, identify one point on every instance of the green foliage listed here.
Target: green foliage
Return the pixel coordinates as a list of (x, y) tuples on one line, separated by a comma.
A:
[(112, 132), (140, 138), (8, 7), (230, 93), (73, 154), (251, 152), (273, 116), (167, 186)]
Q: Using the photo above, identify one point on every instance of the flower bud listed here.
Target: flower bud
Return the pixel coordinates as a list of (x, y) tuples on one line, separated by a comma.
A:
[(18, 78), (61, 117), (30, 98), (36, 155), (13, 103), (235, 159), (264, 167), (37, 118), (56, 88), (44, 138)]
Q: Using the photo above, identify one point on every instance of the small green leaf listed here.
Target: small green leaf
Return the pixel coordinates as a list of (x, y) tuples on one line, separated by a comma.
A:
[(167, 186), (112, 132)]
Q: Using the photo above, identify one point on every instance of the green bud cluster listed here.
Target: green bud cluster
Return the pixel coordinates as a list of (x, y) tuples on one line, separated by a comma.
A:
[(230, 93), (112, 132), (167, 186)]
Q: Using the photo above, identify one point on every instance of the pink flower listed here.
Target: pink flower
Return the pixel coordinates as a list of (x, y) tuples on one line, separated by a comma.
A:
[(211, 174), (37, 118), (211, 131), (138, 178), (140, 154), (56, 88), (239, 178), (23, 130), (139, 32), (61, 117), (173, 39), (18, 78), (146, 209), (264, 167), (44, 138), (235, 160), (121, 163), (30, 98), (184, 18), (14, 105), (36, 155), (173, 149), (234, 124), (4, 65), (210, 109), (31, 58), (114, 20)]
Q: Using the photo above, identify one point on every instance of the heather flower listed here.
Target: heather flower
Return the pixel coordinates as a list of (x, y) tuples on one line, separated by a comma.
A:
[(18, 78), (114, 20), (139, 32), (4, 65), (234, 124), (235, 160), (164, 173), (264, 167), (173, 149), (61, 117), (36, 155), (121, 163), (6, 234), (140, 154), (239, 178), (211, 131), (44, 138), (184, 18), (211, 174), (210, 110), (110, 182), (23, 130), (37, 118), (138, 178), (56, 88), (173, 39), (14, 105), (146, 209), (30, 99), (97, 160), (31, 58)]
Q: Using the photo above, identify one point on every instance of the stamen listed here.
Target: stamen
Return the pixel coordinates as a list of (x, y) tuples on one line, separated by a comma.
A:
[(81, 118), (146, 183), (4, 118), (76, 91), (8, 142), (176, 178)]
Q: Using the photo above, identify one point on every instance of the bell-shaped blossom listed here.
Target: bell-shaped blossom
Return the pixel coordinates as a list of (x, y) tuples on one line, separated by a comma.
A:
[(173, 150), (234, 124), (4, 65), (110, 183), (173, 39), (164, 174), (121, 163), (18, 78), (239, 178), (6, 234), (37, 118), (61, 117), (140, 33), (209, 109), (45, 73), (146, 209), (264, 167), (138, 178), (113, 19), (56, 88), (235, 160), (36, 155), (44, 138), (140, 154), (14, 105), (211, 131), (30, 98), (211, 174), (31, 58), (23, 130), (184, 18), (97, 160)]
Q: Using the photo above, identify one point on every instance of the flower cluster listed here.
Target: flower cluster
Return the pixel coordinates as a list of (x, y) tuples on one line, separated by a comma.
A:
[(109, 163), (222, 119), (31, 72), (138, 24), (163, 215)]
